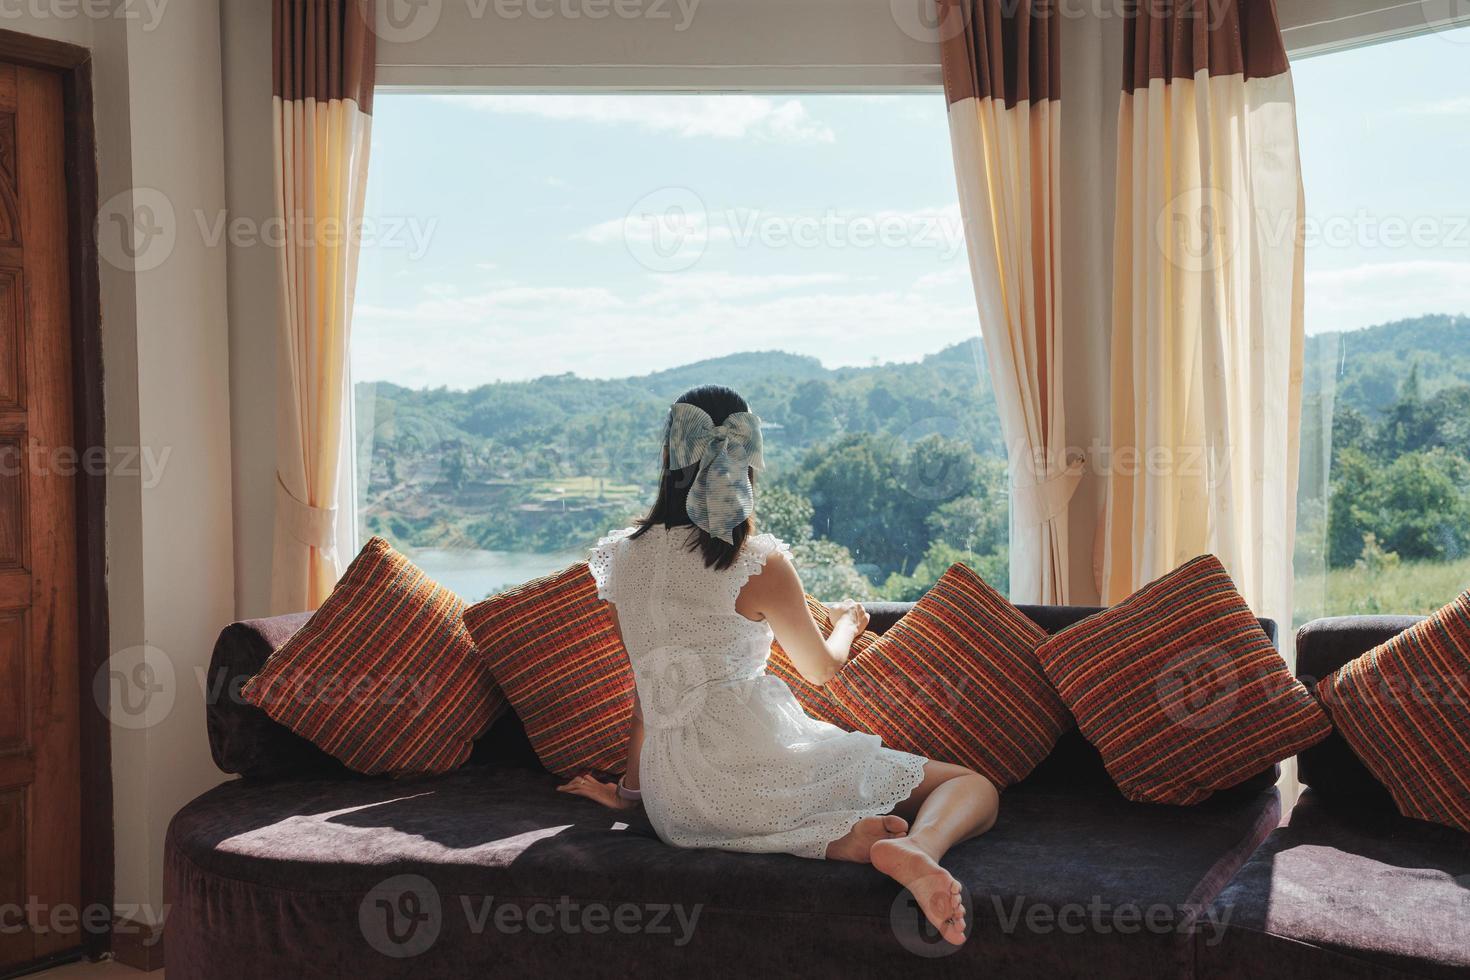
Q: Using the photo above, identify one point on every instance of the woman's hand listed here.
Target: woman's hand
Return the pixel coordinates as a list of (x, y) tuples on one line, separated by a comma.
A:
[(850, 610), (597, 792)]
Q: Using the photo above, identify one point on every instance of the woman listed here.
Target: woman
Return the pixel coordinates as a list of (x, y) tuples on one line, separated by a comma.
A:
[(721, 754)]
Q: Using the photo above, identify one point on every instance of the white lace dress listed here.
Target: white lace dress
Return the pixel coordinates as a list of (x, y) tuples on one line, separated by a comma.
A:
[(729, 759)]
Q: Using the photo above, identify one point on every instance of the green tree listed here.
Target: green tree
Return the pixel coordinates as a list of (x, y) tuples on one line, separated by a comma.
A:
[(784, 512), (1417, 506), (855, 501)]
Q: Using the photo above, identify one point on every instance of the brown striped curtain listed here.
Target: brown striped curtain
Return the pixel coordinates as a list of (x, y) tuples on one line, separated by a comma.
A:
[(324, 69), (1207, 302), (1001, 61)]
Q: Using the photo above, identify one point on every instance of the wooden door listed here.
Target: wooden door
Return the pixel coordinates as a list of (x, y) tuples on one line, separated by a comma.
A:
[(40, 768)]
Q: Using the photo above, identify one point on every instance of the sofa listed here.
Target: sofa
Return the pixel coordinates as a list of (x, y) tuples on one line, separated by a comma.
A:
[(301, 869), (1348, 888)]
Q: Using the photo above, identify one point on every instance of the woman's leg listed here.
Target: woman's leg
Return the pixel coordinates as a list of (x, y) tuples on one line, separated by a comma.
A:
[(952, 804), (857, 843)]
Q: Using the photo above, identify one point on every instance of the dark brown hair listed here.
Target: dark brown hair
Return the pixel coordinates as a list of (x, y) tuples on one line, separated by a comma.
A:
[(671, 507)]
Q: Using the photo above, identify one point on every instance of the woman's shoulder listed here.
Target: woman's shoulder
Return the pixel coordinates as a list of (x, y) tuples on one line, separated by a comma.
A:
[(612, 538), (759, 549), (600, 559)]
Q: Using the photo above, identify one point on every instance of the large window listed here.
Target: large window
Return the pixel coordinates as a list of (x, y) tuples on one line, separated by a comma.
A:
[(1384, 504), (543, 274)]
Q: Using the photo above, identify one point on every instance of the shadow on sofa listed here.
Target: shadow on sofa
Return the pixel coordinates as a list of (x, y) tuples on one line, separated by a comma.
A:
[(302, 869)]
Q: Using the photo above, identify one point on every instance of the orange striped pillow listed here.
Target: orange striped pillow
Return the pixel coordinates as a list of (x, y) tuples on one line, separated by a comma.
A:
[(384, 675), (1404, 709), (956, 680), (818, 702), (553, 649), (1180, 689)]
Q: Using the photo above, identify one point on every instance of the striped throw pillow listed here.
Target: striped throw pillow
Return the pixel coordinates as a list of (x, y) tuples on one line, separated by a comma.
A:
[(1404, 709), (553, 649), (956, 680), (384, 676), (1179, 688), (817, 702)]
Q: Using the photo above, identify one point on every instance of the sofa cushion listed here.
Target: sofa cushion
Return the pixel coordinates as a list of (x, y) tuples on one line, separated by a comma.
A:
[(956, 679), (815, 701), (1180, 690), (242, 738), (384, 676), (1322, 646), (554, 650), (1347, 889), (245, 740), (297, 878), (1404, 708)]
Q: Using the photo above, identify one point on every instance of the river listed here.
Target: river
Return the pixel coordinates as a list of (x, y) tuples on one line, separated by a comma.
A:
[(477, 574)]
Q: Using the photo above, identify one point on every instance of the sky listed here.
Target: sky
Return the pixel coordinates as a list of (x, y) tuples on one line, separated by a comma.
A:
[(514, 236)]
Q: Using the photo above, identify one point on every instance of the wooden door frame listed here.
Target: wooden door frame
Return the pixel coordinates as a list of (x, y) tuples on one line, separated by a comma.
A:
[(74, 64)]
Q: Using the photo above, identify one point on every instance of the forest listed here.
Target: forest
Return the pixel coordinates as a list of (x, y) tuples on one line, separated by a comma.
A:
[(881, 476)]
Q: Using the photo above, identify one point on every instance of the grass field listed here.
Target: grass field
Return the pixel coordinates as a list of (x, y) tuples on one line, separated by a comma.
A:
[(1409, 587)]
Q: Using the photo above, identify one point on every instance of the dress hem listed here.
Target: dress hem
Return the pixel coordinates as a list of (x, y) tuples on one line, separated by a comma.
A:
[(877, 809)]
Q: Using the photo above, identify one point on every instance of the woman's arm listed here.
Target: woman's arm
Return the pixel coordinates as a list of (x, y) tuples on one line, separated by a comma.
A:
[(635, 745), (776, 596)]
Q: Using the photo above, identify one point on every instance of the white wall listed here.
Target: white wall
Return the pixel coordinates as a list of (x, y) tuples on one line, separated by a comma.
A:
[(169, 547), (183, 407), (250, 162), (810, 44)]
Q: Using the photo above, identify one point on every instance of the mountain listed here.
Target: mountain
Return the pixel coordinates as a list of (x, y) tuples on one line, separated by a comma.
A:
[(738, 371), (1365, 369)]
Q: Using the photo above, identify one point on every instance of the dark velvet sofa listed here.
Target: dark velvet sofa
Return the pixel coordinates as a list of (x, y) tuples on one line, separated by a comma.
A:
[(1348, 888), (300, 869)]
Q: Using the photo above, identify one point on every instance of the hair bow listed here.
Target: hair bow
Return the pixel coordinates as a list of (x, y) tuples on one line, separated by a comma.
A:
[(721, 497)]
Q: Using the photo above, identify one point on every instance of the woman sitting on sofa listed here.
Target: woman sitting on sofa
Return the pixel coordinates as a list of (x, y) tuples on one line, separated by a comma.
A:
[(721, 753)]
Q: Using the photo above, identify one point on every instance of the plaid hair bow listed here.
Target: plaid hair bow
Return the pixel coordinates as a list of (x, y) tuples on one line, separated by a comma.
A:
[(721, 497)]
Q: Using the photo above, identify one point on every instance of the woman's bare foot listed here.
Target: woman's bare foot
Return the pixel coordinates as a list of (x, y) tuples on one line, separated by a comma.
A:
[(857, 842), (935, 889)]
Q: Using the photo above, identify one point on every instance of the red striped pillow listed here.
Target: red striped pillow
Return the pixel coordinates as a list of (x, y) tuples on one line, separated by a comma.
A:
[(384, 676), (553, 649), (1404, 709), (818, 702), (956, 680), (1180, 689)]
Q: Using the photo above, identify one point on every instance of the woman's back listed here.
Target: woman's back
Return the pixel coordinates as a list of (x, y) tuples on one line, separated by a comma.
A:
[(667, 597)]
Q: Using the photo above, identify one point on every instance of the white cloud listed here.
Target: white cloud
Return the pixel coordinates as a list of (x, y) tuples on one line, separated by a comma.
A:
[(521, 332), (726, 117), (1378, 292)]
